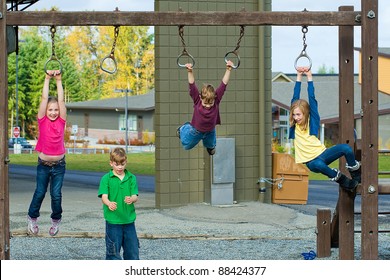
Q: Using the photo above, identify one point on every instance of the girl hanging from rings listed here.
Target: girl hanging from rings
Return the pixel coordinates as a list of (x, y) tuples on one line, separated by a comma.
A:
[(304, 128)]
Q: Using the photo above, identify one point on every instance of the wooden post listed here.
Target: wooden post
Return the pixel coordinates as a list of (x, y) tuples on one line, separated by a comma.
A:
[(346, 127), (369, 78), (4, 194), (323, 232)]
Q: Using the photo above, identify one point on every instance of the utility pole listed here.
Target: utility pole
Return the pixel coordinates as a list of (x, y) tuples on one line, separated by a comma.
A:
[(126, 113)]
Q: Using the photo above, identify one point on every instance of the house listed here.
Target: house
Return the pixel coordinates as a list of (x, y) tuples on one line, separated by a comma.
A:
[(106, 118)]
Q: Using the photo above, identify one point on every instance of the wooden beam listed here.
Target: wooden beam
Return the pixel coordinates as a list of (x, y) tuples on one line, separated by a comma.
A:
[(346, 127), (370, 104), (47, 18)]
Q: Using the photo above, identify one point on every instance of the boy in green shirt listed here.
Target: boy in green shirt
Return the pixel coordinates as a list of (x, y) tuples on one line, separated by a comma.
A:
[(119, 191)]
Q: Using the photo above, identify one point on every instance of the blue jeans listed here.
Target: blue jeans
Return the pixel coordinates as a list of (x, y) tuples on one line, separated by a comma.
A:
[(121, 236), (45, 175), (190, 137), (320, 163)]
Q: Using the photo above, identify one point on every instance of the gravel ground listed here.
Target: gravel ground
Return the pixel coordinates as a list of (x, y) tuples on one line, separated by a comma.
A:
[(246, 231), (191, 248), (162, 249)]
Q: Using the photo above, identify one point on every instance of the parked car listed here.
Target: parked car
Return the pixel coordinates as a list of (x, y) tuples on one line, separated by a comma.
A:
[(21, 140)]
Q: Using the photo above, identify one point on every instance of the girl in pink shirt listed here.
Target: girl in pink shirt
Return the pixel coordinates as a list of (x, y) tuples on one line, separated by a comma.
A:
[(51, 155)]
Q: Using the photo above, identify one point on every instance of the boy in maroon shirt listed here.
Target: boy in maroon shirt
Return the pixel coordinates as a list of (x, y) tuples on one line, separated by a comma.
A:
[(206, 112)]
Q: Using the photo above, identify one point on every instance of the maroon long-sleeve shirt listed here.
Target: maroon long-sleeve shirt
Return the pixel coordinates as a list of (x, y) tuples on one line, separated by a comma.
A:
[(204, 119)]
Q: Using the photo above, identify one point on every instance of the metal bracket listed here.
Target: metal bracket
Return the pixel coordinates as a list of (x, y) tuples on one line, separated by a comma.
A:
[(371, 189), (358, 18), (371, 14)]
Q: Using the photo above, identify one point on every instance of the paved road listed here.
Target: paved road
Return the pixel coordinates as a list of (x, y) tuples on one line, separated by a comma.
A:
[(321, 193), (89, 180)]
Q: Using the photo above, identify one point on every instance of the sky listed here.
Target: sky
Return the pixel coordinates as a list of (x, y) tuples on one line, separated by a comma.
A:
[(322, 41)]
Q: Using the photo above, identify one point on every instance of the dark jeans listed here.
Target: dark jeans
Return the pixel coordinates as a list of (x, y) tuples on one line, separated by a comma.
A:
[(53, 175), (121, 236), (320, 163)]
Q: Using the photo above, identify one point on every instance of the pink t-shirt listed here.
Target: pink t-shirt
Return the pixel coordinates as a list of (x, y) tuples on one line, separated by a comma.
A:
[(51, 136)]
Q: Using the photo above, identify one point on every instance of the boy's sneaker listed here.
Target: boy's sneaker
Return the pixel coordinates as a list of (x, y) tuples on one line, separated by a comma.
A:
[(32, 225), (55, 227), (211, 151)]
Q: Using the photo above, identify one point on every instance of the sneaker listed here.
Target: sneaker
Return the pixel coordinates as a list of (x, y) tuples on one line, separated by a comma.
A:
[(32, 225), (211, 151), (55, 227), (178, 132)]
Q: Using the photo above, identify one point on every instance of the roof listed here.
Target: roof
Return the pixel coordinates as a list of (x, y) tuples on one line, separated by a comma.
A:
[(385, 52), (280, 77), (143, 102), (327, 95)]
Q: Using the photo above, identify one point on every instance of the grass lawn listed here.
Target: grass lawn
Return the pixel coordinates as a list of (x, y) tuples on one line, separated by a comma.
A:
[(143, 163)]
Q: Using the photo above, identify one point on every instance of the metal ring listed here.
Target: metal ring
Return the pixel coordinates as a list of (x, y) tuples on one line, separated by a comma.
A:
[(52, 59), (185, 54), (303, 54), (106, 70), (238, 57)]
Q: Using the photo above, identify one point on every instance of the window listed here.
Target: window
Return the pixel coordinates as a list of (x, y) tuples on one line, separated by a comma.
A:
[(131, 125)]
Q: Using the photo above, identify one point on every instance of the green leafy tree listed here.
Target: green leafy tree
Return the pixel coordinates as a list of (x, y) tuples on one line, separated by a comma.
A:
[(34, 52), (84, 44), (80, 50), (133, 53)]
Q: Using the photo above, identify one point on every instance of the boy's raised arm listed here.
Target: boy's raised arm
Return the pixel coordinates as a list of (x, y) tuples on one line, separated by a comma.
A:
[(226, 77), (191, 78)]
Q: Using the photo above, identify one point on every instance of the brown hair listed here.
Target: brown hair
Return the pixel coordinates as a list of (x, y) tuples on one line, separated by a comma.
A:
[(207, 94), (304, 106), (52, 99), (118, 155)]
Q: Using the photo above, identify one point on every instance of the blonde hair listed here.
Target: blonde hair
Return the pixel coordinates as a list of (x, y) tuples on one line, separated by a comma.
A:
[(207, 94), (304, 106), (118, 155)]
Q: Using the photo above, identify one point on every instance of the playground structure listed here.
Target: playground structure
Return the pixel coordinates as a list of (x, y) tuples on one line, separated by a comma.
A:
[(346, 18)]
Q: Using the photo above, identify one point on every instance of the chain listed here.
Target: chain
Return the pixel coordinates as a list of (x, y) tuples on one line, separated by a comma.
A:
[(304, 31), (53, 33), (181, 34), (53, 51), (242, 32), (116, 33), (184, 52)]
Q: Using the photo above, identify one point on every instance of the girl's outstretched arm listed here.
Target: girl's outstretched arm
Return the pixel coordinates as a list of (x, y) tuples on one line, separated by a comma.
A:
[(44, 97), (60, 95)]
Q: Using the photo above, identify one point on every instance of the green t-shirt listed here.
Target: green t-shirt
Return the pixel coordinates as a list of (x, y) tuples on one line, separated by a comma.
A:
[(116, 191)]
